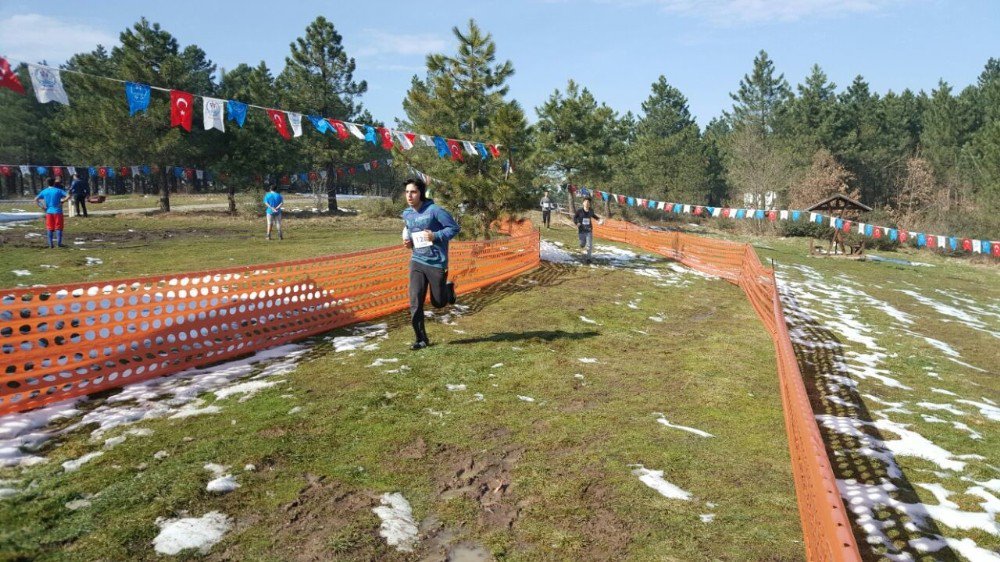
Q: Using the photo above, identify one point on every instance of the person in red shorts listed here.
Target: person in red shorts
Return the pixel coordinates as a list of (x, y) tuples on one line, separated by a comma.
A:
[(51, 199)]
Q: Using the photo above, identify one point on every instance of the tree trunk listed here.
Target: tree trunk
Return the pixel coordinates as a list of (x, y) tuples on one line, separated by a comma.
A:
[(331, 190), (34, 188), (164, 190), (231, 190)]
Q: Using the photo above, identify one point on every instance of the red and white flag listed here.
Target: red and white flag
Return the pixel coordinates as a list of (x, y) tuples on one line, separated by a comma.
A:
[(9, 79), (278, 119), (181, 109)]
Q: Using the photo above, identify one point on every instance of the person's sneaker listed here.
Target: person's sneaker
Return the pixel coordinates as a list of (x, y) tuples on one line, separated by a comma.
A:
[(452, 297), (418, 345)]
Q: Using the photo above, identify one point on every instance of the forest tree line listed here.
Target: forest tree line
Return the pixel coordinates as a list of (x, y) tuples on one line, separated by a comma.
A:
[(924, 160)]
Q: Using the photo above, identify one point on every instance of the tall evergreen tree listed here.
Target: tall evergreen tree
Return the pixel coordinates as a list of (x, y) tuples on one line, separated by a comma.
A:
[(761, 97), (319, 79), (464, 96), (946, 124), (811, 113), (25, 136), (668, 155), (577, 136)]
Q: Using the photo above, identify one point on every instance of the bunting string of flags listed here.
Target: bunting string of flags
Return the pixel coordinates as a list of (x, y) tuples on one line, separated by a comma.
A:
[(918, 239), (47, 84)]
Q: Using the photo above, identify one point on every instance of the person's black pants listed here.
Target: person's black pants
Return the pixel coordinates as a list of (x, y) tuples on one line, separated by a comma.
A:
[(423, 277), (546, 217), (80, 204)]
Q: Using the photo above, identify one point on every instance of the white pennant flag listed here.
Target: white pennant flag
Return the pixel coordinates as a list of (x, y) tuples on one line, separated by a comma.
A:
[(661, 205), (368, 167), (214, 113), (25, 171), (355, 130), (322, 174), (48, 84), (687, 208), (200, 174), (135, 171), (941, 241), (977, 247), (427, 140), (861, 228), (296, 121), (783, 215), (717, 212), (71, 170), (812, 217), (403, 141), (470, 148), (833, 221)]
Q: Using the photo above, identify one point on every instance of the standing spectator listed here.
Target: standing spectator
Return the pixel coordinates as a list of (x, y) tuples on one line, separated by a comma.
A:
[(584, 218), (274, 201), (51, 199), (547, 206), (428, 230), (79, 190)]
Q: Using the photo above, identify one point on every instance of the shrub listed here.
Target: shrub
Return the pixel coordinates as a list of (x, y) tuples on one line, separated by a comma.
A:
[(378, 207)]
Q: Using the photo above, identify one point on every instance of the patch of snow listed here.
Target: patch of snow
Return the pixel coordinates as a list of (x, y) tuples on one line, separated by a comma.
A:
[(587, 360), (989, 411), (94, 261), (398, 527), (21, 272), (550, 252), (75, 464), (525, 398), (654, 479), (698, 432), (455, 387), (588, 320), (222, 485), (200, 533), (707, 517)]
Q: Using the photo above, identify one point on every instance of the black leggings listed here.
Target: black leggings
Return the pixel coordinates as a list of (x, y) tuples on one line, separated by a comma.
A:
[(421, 277), (546, 217)]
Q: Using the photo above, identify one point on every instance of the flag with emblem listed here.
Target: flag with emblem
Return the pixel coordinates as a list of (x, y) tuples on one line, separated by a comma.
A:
[(278, 120), (181, 110)]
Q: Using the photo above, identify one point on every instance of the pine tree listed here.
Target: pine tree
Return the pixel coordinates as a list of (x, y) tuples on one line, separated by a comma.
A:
[(577, 137), (761, 98), (463, 96), (811, 113), (319, 79), (668, 155), (26, 135)]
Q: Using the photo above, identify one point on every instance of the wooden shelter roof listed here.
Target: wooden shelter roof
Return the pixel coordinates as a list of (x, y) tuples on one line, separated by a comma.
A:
[(839, 202)]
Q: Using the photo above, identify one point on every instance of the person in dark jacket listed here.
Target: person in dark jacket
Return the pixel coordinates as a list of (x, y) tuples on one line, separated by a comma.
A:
[(584, 219), (427, 232), (79, 190)]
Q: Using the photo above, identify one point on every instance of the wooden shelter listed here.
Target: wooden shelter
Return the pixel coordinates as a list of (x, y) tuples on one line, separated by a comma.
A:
[(838, 205)]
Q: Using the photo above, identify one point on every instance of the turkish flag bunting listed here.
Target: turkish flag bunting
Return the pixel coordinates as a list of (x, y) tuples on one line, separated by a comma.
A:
[(847, 226), (996, 248), (877, 233), (967, 244), (313, 176), (386, 136), (126, 172), (5, 170), (9, 78), (494, 150), (181, 109), (455, 149), (278, 118), (102, 171), (621, 199), (932, 241), (903, 235), (342, 132), (772, 216), (57, 171)]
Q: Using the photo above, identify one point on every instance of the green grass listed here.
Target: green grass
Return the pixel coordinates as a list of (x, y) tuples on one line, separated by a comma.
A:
[(564, 459), (118, 202)]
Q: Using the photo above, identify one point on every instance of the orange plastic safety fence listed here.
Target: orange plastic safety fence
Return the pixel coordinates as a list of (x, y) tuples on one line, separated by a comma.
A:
[(64, 341), (825, 526)]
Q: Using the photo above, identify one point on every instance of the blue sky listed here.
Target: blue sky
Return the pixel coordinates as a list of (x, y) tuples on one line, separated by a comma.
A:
[(616, 48)]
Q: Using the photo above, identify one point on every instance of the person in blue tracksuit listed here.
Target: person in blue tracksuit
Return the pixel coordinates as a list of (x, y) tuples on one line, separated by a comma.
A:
[(427, 232)]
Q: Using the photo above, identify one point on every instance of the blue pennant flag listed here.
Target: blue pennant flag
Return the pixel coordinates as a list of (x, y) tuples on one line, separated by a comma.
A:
[(41, 170), (838, 223), (630, 201), (759, 214), (795, 215), (178, 172), (111, 172), (741, 213), (953, 242), (370, 134), (604, 194), (481, 149), (893, 234), (678, 207), (322, 125), (303, 177), (237, 111), (137, 96), (651, 204), (868, 230), (442, 147), (92, 170), (921, 240), (819, 219), (145, 170)]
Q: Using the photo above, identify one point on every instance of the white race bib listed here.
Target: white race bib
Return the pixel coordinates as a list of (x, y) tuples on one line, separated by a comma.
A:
[(421, 239)]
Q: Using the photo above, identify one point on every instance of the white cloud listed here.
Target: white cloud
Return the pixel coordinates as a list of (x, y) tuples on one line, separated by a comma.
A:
[(729, 13), (34, 38), (383, 43)]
